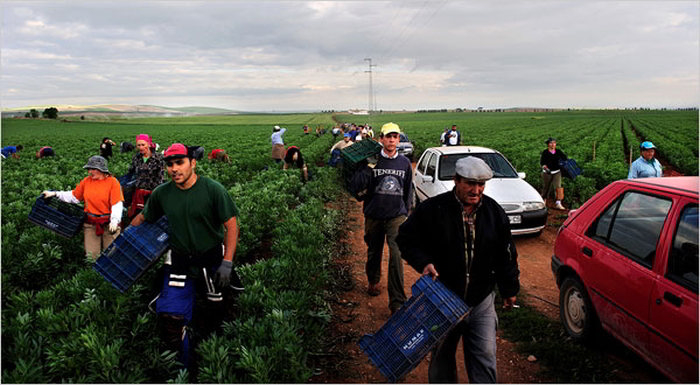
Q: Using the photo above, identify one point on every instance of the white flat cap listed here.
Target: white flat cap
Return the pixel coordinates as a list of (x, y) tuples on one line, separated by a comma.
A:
[(473, 168)]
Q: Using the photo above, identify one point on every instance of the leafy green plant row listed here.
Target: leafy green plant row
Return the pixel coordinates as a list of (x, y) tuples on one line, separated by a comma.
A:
[(82, 330), (675, 139), (78, 351), (520, 137), (25, 265)]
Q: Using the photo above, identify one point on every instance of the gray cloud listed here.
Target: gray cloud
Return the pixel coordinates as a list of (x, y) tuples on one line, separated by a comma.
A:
[(266, 55)]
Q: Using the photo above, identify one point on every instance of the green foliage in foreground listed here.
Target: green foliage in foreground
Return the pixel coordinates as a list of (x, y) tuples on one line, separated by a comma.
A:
[(62, 322), (563, 360)]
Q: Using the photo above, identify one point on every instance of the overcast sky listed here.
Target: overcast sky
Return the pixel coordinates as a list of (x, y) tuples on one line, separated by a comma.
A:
[(288, 55)]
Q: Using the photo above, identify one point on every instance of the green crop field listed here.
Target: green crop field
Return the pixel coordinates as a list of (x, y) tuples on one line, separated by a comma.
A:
[(607, 135), (62, 322)]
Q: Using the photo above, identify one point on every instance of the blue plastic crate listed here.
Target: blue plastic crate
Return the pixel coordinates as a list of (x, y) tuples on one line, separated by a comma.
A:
[(127, 180), (63, 218), (359, 151), (132, 253), (424, 320), (569, 168)]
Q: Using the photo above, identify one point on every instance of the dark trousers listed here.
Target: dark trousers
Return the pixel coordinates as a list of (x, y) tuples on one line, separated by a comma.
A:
[(376, 230)]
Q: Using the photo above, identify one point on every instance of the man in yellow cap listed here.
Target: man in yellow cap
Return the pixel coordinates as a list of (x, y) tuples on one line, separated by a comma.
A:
[(386, 191)]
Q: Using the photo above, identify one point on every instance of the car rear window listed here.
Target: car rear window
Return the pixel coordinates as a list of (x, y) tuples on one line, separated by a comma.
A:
[(683, 259), (499, 165), (632, 225)]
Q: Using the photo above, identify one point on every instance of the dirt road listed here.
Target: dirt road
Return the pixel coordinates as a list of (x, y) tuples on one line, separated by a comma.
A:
[(356, 313)]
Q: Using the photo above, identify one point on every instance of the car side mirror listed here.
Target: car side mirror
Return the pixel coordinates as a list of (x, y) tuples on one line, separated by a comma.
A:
[(427, 178), (521, 175)]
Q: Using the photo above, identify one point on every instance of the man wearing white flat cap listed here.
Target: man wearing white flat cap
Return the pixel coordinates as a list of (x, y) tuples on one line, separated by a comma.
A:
[(462, 237)]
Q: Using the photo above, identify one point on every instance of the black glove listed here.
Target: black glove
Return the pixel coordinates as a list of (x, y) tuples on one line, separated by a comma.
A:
[(223, 274)]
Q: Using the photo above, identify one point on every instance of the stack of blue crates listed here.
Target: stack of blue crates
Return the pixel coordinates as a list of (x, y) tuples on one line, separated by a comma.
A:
[(63, 218), (132, 253), (423, 321)]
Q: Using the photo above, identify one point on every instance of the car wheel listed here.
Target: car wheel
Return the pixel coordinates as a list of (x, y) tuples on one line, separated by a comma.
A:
[(576, 311)]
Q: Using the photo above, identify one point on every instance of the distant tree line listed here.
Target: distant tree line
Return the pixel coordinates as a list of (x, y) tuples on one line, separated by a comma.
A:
[(49, 113)]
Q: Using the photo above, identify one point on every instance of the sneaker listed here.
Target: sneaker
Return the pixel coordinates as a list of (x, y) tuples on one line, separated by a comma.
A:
[(373, 289), (558, 206)]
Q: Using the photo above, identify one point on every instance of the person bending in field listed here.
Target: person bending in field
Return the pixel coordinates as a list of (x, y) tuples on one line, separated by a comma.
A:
[(126, 147), (203, 232), (219, 155), (103, 199), (336, 157), (11, 151), (292, 158), (44, 152)]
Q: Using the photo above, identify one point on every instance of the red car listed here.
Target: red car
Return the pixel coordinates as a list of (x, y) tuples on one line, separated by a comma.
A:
[(627, 260)]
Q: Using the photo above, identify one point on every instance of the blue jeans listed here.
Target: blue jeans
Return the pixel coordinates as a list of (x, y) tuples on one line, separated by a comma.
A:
[(478, 333)]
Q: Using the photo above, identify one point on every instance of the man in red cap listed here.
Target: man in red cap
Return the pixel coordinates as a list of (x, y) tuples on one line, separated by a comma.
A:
[(203, 235)]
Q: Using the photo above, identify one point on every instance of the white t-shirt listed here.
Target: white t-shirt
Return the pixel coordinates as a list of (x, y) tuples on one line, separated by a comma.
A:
[(452, 138)]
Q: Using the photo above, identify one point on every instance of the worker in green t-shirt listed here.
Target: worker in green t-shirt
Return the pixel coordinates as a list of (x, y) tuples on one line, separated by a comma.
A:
[(202, 232)]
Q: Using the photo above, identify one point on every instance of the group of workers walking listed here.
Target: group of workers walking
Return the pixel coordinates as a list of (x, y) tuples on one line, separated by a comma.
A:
[(202, 226), (461, 237)]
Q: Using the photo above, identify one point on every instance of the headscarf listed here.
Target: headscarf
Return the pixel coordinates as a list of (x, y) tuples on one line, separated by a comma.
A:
[(147, 138)]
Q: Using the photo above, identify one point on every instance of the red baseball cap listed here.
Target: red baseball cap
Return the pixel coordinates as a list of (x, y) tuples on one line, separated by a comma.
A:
[(176, 150)]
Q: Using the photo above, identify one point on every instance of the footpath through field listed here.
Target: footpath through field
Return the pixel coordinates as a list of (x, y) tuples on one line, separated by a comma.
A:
[(356, 313)]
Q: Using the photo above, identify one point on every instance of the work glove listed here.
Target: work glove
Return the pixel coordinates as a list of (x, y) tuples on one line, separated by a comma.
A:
[(113, 227), (48, 194), (223, 274)]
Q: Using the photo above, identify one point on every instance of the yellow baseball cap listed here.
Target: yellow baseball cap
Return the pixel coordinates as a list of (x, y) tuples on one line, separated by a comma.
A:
[(390, 127)]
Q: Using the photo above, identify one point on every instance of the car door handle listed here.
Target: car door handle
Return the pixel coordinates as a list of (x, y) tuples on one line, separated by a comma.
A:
[(673, 299), (587, 251)]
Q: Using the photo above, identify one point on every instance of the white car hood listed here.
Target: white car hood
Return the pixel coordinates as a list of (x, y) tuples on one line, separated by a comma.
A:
[(511, 190), (505, 190)]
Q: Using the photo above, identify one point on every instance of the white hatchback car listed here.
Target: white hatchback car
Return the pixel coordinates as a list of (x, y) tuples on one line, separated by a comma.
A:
[(521, 202)]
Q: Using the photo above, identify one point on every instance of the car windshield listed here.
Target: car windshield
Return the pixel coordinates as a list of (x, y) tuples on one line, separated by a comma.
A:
[(500, 166), (403, 138)]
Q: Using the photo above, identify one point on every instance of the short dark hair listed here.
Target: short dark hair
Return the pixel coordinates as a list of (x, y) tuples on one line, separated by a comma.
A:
[(19, 147)]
